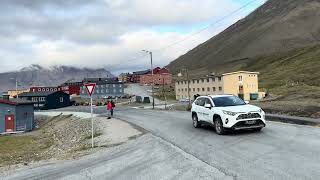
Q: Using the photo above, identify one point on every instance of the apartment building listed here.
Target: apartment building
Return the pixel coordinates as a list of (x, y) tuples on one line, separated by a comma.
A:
[(201, 86), (241, 83)]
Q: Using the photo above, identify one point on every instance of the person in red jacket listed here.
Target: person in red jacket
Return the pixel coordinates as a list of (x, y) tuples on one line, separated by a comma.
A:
[(109, 108)]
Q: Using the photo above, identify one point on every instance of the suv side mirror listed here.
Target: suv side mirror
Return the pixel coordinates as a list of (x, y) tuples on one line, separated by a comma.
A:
[(209, 106)]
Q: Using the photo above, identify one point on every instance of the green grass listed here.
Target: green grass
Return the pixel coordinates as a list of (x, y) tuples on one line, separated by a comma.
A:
[(19, 149)]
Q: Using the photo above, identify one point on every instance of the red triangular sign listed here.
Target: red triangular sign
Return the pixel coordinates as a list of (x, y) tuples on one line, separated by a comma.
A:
[(90, 88)]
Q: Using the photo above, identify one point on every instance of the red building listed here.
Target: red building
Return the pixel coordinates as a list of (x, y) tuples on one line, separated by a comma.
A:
[(44, 89), (135, 78), (160, 76), (71, 88)]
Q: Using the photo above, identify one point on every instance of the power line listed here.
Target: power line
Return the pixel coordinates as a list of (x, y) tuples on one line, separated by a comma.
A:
[(207, 27)]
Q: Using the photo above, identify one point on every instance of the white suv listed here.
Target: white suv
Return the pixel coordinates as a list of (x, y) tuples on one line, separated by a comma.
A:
[(226, 112)]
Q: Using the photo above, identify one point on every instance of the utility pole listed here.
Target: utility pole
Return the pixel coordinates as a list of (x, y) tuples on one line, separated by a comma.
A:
[(164, 94), (149, 52), (17, 87), (188, 81)]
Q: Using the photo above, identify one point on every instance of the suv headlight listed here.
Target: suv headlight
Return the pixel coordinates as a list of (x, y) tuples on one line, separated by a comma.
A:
[(260, 111), (230, 113)]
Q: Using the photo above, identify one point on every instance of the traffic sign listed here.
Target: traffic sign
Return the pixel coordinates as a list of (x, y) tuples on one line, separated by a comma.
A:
[(90, 88)]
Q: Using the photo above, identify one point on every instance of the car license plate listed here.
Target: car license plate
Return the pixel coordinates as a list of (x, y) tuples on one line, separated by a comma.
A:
[(250, 122)]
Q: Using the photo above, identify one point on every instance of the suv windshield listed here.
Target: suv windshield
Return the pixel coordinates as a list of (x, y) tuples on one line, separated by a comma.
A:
[(228, 101)]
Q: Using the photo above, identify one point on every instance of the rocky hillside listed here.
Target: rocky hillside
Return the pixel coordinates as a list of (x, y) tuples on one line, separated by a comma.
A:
[(277, 26), (36, 75)]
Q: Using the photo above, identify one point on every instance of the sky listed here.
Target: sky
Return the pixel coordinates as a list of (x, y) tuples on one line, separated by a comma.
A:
[(109, 33)]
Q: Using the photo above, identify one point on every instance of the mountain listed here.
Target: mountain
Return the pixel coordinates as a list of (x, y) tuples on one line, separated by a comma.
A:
[(280, 39), (36, 75)]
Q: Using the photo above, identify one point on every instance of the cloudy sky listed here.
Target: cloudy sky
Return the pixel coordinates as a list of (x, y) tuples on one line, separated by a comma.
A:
[(108, 33)]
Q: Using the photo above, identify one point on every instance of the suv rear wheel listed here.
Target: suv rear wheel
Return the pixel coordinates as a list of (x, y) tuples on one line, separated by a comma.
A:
[(195, 121), (218, 125)]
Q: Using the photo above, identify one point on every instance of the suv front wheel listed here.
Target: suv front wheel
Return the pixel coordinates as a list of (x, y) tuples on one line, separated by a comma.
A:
[(195, 121), (218, 125)]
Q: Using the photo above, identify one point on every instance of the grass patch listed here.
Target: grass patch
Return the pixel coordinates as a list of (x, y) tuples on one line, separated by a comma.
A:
[(20, 149)]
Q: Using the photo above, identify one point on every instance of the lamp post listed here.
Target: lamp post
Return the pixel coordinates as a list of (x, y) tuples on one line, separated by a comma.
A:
[(150, 53)]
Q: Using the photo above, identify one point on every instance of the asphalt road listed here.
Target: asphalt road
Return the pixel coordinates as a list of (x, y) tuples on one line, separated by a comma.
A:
[(173, 149)]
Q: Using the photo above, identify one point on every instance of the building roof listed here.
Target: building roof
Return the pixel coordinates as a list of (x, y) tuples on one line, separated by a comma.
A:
[(141, 72), (15, 102), (38, 94), (240, 72)]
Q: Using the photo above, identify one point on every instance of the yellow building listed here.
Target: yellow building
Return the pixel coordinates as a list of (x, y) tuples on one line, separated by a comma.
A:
[(242, 83), (14, 93)]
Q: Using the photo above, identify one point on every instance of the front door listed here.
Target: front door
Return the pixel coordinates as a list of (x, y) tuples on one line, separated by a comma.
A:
[(9, 123)]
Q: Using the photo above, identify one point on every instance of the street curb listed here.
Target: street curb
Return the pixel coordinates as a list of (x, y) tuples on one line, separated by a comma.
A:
[(293, 119)]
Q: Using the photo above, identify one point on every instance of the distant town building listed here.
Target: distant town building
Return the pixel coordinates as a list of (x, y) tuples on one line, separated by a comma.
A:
[(71, 87), (16, 115), (45, 89), (14, 93), (125, 77), (136, 75), (47, 100), (241, 83), (160, 76), (105, 88)]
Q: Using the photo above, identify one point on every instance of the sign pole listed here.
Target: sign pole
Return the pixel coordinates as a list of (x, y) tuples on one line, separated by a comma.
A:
[(92, 123), (90, 89)]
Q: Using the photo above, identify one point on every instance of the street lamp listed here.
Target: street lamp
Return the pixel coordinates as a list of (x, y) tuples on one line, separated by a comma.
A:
[(149, 52)]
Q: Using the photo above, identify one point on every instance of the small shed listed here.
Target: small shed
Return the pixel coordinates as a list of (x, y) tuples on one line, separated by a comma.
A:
[(16, 115), (47, 100)]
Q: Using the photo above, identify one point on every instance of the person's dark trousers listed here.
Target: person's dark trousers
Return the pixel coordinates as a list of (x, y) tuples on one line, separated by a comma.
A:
[(111, 112)]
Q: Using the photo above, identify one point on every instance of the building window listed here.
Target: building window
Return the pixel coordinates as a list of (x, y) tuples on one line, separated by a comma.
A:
[(39, 89), (193, 81), (198, 89), (120, 90), (214, 89), (181, 90), (178, 82), (202, 80), (194, 89), (61, 99), (220, 88), (43, 89), (55, 89), (203, 89), (114, 85), (47, 89), (219, 78), (208, 89), (213, 79), (240, 78), (186, 89), (198, 81), (208, 80), (120, 85)]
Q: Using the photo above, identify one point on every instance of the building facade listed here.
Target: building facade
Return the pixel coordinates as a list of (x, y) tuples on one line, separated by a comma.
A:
[(135, 78), (16, 116), (201, 86), (44, 89), (47, 100), (161, 76), (14, 93), (242, 83), (71, 87), (105, 88)]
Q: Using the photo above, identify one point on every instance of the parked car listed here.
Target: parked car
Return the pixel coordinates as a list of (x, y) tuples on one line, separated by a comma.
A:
[(226, 112)]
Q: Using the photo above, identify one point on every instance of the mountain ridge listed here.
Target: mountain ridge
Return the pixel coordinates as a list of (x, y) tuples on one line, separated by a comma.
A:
[(36, 75)]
